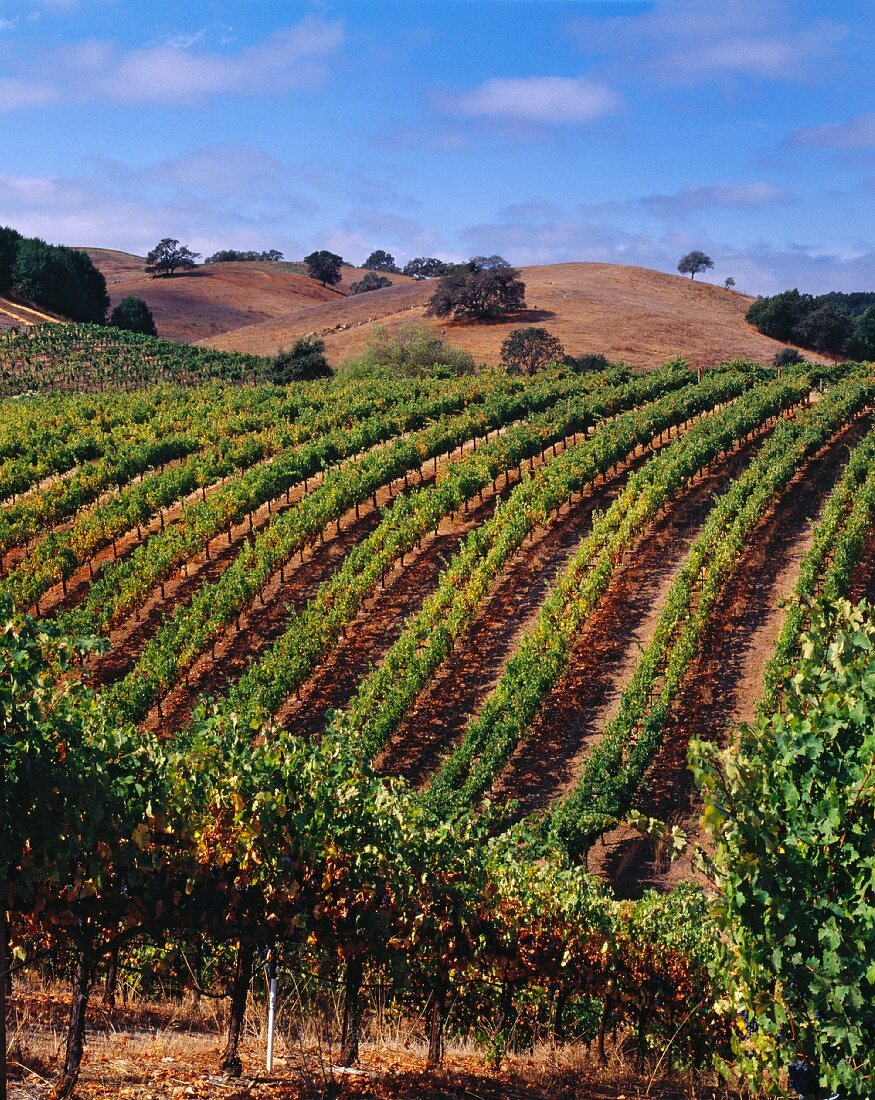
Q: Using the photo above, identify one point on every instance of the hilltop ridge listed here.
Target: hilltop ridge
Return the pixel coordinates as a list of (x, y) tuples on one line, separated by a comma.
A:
[(627, 313)]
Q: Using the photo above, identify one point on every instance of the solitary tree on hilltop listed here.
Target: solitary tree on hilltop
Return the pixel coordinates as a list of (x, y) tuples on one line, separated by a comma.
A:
[(479, 295), (382, 261), (728, 283), (694, 262), (168, 256), (527, 350), (324, 266)]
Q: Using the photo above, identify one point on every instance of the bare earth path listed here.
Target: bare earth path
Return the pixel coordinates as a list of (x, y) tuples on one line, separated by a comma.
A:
[(725, 683)]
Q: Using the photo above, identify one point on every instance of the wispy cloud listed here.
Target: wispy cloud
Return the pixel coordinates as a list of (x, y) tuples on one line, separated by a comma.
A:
[(689, 42), (176, 73), (729, 196), (852, 135), (540, 234), (551, 100)]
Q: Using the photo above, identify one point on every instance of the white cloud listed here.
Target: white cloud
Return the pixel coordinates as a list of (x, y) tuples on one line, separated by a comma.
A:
[(733, 196), (688, 42), (15, 93), (291, 58), (554, 100), (854, 134), (759, 268)]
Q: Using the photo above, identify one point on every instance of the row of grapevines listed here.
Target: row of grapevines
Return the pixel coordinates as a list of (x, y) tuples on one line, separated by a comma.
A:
[(313, 633), (839, 539), (56, 437), (56, 557), (83, 357), (174, 432), (543, 655), (193, 628), (59, 553), (124, 585), (385, 696), (617, 764)]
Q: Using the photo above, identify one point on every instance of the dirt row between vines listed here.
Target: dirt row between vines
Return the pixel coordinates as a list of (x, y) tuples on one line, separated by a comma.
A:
[(266, 617), (726, 681), (129, 637), (438, 720)]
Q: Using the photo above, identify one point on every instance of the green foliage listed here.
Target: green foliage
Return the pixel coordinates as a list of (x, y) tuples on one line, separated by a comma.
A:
[(778, 315), (324, 267), (694, 262), (527, 350), (88, 358), (833, 324), (786, 357), (168, 256), (382, 261), (826, 329), (9, 242), (63, 280), (582, 364), (479, 294), (133, 315), (233, 255), (414, 352), (371, 281), (304, 361), (425, 267), (862, 344), (792, 809)]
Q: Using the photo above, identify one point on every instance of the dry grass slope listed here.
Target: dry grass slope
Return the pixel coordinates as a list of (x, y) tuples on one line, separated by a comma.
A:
[(216, 298), (627, 313)]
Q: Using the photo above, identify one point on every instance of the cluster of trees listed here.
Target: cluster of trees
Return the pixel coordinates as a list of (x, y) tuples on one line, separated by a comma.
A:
[(370, 281), (235, 256), (484, 289), (833, 324), (60, 279)]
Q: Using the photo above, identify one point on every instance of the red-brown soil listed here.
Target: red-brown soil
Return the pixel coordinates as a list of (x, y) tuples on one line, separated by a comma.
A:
[(725, 682), (268, 616)]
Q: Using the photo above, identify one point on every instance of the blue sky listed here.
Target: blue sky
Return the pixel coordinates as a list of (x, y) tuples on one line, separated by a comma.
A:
[(547, 130)]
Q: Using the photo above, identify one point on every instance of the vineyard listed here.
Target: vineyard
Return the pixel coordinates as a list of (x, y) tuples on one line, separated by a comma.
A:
[(398, 687), (94, 358)]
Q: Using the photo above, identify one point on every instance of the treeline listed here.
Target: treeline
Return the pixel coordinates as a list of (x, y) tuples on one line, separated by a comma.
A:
[(234, 256), (833, 324), (60, 279)]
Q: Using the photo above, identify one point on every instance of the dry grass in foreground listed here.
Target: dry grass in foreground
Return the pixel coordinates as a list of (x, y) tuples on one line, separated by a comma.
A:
[(168, 1050)]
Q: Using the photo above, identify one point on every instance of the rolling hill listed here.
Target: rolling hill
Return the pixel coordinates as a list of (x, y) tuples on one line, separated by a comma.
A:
[(218, 298), (627, 313)]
